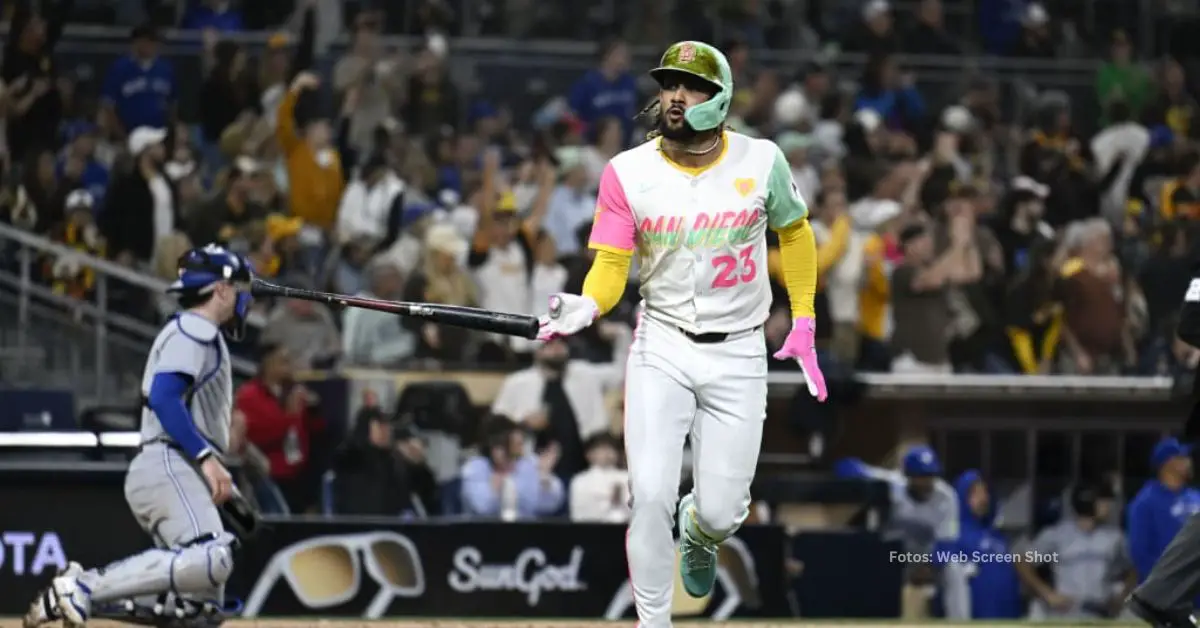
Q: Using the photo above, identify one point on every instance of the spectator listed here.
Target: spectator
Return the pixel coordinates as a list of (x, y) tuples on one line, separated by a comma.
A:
[(140, 205), (610, 90), (876, 34), (377, 339), (433, 101), (1159, 509), (891, 95), (1035, 40), (919, 301), (501, 255), (381, 472), (1095, 333), (78, 167), (1180, 197), (976, 324), (549, 276), (441, 279), (987, 586), (43, 194), (216, 15), (30, 71), (928, 35), (78, 232), (609, 140), (796, 146), (314, 170), (231, 209), (561, 399), (1121, 79), (1018, 225), (1174, 106), (377, 79), (1034, 313), (504, 482), (1092, 575), (304, 328), (140, 88), (228, 92), (600, 494), (281, 422), (572, 202), (1163, 278), (373, 205)]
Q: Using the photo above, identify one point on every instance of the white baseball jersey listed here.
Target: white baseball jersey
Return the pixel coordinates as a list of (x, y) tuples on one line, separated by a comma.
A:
[(192, 345), (700, 233)]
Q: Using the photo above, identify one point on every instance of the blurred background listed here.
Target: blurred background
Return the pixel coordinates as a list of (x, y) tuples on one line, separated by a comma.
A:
[(1045, 156)]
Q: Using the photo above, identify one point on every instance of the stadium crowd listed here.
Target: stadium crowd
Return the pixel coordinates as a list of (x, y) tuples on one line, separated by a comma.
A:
[(953, 236)]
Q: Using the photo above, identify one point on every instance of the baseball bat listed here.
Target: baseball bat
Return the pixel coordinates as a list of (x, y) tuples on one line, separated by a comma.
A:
[(457, 316)]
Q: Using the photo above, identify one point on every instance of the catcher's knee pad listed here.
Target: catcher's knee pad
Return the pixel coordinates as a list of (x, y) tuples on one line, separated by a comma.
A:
[(203, 564)]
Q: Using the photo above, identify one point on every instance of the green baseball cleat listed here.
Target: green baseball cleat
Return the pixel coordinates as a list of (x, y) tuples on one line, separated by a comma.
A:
[(698, 557)]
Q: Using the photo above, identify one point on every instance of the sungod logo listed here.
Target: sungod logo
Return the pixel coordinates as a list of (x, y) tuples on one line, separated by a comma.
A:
[(27, 553), (530, 574)]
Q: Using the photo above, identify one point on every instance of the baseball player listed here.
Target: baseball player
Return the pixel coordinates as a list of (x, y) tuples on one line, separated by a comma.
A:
[(694, 203), (176, 481)]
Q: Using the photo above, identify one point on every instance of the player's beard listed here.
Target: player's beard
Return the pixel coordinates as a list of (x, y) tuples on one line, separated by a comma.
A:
[(683, 134)]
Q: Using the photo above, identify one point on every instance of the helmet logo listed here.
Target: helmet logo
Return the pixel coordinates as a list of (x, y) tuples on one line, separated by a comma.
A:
[(687, 52)]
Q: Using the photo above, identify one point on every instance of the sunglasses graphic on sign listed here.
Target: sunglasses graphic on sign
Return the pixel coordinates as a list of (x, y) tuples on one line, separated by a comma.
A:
[(326, 571)]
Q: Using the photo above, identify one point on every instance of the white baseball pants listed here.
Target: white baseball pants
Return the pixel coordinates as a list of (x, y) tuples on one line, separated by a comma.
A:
[(674, 386)]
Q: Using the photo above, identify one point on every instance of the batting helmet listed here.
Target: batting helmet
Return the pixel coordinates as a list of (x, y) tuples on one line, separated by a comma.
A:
[(200, 270), (706, 62)]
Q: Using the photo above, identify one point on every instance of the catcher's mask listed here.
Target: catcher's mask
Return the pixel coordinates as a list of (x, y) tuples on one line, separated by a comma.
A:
[(200, 270), (705, 62)]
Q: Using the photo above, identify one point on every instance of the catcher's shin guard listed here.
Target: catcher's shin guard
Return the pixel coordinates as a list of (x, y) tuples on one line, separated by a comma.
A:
[(168, 611)]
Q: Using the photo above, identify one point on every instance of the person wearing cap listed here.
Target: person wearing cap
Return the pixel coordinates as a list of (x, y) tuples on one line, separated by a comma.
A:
[(1018, 224), (314, 167), (30, 72), (140, 89), (1036, 40), (1086, 558), (374, 339), (140, 204), (443, 279), (433, 99), (876, 33), (77, 232), (925, 508), (1164, 539), (501, 257)]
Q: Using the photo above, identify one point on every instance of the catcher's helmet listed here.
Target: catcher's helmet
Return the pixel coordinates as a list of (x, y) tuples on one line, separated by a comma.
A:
[(200, 270), (706, 62)]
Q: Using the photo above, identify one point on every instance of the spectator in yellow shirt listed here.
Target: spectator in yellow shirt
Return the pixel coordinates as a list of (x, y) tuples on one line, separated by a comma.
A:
[(315, 179)]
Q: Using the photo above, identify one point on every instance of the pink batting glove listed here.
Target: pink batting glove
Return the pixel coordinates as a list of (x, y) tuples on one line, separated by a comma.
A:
[(800, 345)]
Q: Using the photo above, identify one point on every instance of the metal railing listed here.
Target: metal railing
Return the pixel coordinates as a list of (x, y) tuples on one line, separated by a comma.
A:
[(101, 316)]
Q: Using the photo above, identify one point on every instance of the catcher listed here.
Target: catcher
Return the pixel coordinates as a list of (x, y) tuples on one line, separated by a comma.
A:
[(177, 486)]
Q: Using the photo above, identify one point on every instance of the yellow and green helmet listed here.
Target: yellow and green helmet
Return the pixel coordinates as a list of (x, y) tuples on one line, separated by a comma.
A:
[(704, 61)]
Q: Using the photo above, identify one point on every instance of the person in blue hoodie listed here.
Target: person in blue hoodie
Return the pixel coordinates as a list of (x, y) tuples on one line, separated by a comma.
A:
[(894, 97), (1164, 540), (978, 579)]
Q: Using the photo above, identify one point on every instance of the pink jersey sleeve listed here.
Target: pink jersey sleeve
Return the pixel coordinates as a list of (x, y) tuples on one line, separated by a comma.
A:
[(613, 229)]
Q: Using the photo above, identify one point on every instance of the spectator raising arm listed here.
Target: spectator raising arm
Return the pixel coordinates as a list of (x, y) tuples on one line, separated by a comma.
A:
[(481, 488)]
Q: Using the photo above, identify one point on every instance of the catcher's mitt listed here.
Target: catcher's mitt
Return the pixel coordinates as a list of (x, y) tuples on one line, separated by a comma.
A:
[(240, 517)]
